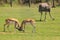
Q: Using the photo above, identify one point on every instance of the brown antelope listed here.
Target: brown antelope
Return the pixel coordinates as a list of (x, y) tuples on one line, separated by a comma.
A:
[(24, 22), (9, 21), (45, 7)]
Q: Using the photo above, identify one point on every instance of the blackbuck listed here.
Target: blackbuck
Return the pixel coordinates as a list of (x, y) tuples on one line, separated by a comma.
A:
[(17, 25), (45, 7), (9, 21), (26, 21)]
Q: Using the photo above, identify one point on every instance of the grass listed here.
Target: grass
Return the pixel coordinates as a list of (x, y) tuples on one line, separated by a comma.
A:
[(49, 30)]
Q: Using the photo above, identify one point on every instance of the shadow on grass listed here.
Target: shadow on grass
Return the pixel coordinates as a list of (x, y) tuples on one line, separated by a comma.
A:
[(39, 20)]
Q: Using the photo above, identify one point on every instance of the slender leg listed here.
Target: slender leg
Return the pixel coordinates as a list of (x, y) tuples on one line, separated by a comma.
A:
[(8, 27), (24, 27), (45, 16), (15, 25), (41, 16), (4, 27), (34, 27), (51, 16)]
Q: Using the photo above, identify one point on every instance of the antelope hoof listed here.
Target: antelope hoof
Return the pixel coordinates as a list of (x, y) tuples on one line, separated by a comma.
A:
[(40, 20), (4, 31), (53, 19), (23, 30)]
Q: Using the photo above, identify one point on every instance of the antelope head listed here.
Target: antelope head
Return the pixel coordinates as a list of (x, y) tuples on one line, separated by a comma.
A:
[(19, 28)]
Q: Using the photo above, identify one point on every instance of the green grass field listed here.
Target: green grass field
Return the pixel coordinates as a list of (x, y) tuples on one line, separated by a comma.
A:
[(48, 30)]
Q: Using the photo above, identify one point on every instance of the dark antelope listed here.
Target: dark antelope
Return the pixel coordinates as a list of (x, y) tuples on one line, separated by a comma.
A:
[(45, 7)]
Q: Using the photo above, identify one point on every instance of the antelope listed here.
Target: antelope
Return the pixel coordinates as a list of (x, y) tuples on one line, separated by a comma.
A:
[(19, 26), (24, 22), (9, 21), (45, 7)]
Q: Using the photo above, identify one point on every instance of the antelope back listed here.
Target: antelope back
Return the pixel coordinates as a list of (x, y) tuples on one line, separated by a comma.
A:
[(48, 5)]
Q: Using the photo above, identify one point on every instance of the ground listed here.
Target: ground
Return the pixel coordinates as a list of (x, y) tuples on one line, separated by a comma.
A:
[(48, 30)]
